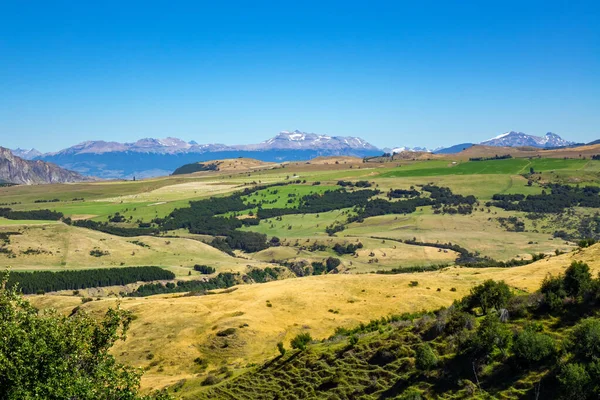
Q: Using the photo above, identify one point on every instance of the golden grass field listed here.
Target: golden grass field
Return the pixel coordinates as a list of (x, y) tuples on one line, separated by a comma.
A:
[(177, 329)]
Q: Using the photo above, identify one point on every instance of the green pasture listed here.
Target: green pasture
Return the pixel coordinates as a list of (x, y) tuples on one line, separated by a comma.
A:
[(299, 225), (281, 195), (510, 166)]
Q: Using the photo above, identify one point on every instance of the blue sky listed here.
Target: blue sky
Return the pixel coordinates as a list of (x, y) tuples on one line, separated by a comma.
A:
[(395, 73)]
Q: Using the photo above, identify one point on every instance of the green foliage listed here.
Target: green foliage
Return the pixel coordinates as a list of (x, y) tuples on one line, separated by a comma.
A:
[(577, 280), (574, 381), (31, 282), (51, 356), (47, 215), (425, 358), (489, 295), (491, 335), (531, 347), (332, 263), (559, 198), (281, 349), (222, 281), (204, 269), (300, 341), (585, 340)]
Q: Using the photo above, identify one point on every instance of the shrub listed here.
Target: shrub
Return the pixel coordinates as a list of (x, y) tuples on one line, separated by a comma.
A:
[(281, 349), (210, 380), (578, 280), (491, 335), (204, 269), (554, 292), (300, 341), (332, 263), (226, 332), (353, 340), (531, 347), (574, 381), (425, 358), (53, 356), (585, 339)]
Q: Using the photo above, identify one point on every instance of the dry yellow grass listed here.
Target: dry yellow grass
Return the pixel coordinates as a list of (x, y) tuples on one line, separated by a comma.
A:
[(177, 329), (479, 231), (177, 191)]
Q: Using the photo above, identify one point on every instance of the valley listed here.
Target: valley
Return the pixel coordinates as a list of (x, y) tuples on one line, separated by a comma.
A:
[(263, 253)]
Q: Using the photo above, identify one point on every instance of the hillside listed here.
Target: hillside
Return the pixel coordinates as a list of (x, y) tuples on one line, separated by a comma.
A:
[(521, 152), (14, 169), (492, 343)]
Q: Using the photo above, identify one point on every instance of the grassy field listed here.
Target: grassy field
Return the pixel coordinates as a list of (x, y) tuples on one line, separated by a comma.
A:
[(169, 332), (479, 231), (59, 247), (285, 196), (505, 167), (299, 225)]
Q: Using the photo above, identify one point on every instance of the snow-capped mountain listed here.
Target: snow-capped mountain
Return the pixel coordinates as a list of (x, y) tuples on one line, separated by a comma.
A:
[(26, 154), (517, 139), (153, 157), (312, 141), (412, 149), (167, 145)]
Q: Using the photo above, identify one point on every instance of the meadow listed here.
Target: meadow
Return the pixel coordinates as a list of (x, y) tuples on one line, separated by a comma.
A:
[(180, 339)]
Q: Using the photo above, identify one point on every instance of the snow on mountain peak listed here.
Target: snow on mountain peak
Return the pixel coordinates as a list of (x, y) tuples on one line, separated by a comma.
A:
[(516, 139)]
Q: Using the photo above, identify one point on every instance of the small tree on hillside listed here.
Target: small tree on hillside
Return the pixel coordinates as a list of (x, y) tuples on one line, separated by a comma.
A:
[(489, 295)]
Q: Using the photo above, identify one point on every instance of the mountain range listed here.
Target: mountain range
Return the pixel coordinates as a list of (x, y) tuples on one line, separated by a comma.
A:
[(17, 170), (154, 157), (519, 139)]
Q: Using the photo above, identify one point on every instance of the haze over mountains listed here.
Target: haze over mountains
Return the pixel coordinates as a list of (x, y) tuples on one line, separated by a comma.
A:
[(155, 157)]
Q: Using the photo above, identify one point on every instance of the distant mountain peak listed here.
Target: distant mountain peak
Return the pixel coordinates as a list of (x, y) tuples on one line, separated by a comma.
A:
[(26, 154), (520, 139), (15, 169)]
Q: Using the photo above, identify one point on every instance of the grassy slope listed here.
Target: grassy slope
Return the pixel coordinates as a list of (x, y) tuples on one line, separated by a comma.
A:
[(178, 329), (67, 247)]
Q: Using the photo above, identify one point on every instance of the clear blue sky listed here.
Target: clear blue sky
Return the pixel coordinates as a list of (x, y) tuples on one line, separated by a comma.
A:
[(395, 73)]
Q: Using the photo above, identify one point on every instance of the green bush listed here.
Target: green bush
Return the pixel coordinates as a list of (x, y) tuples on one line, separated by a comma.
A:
[(281, 349), (425, 358), (574, 382), (46, 355), (491, 335), (300, 341), (585, 339), (578, 280), (531, 347)]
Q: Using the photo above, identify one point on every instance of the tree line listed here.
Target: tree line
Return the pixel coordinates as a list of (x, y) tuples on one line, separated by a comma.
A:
[(46, 281), (558, 199), (46, 215)]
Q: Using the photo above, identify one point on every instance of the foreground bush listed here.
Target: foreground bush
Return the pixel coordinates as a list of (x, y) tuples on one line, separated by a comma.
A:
[(50, 356)]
